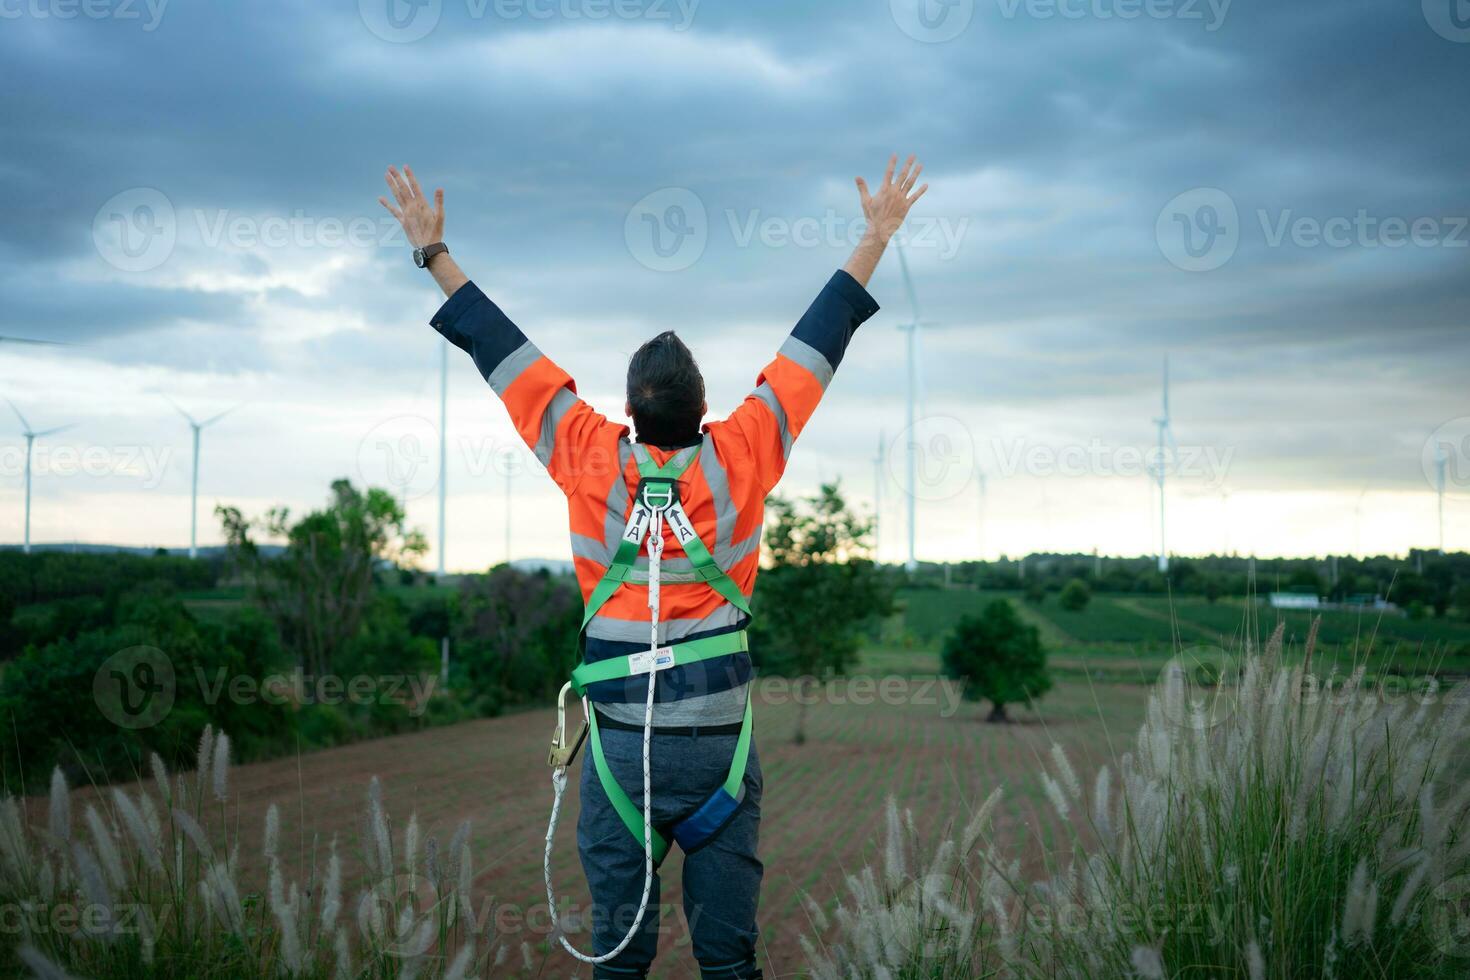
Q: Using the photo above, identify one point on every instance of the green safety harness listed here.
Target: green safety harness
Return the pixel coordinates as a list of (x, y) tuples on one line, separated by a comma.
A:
[(655, 504)]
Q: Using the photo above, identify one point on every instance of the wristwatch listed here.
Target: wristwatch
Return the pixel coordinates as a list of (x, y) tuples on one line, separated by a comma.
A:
[(421, 256)]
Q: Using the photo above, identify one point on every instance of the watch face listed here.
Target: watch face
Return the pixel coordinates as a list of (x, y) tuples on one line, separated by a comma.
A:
[(418, 257)]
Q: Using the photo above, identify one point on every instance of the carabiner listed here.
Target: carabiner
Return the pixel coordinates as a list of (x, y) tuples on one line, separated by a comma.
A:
[(561, 754)]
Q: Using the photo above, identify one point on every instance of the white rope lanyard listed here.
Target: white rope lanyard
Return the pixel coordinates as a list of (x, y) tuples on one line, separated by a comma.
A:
[(559, 775)]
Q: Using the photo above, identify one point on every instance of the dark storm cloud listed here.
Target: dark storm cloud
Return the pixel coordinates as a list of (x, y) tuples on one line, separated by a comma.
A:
[(1054, 142)]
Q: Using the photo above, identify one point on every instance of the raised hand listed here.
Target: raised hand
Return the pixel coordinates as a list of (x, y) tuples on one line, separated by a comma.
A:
[(422, 223), (886, 209)]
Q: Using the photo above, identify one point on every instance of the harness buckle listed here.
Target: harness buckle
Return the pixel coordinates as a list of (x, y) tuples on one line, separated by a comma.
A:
[(658, 493), (562, 754)]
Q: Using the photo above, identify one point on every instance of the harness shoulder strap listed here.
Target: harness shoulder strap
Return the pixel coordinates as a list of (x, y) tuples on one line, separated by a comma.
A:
[(626, 556)]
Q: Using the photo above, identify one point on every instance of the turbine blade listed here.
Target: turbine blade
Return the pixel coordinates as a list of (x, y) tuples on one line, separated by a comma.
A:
[(177, 408), (215, 418), (18, 415), (59, 428), (34, 341)]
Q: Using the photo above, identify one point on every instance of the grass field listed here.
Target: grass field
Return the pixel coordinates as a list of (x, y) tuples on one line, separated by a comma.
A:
[(1131, 636)]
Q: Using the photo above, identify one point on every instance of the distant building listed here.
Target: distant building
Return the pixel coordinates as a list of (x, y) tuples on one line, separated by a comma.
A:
[(1295, 600), (1362, 602)]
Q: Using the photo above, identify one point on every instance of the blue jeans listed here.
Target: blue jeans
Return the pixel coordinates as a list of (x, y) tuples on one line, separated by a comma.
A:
[(721, 879)]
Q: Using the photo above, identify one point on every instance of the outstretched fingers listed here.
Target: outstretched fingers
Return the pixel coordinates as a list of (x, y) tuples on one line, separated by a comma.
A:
[(391, 209), (398, 186), (863, 195), (888, 174), (918, 194), (413, 182), (913, 177), (903, 175)]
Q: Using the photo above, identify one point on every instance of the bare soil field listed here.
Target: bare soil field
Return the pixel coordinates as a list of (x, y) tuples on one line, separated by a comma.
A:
[(822, 811)]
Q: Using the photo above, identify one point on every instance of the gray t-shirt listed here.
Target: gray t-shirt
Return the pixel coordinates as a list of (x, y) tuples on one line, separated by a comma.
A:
[(720, 708)]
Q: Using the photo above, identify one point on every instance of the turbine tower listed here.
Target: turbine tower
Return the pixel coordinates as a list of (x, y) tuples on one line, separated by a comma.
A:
[(911, 448), (980, 517), (1440, 459), (443, 445), (196, 427), (1166, 434), (31, 436), (878, 462)]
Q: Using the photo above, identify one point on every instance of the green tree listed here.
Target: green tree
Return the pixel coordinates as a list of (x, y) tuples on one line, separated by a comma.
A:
[(999, 657), (1075, 596), (319, 588), (818, 591)]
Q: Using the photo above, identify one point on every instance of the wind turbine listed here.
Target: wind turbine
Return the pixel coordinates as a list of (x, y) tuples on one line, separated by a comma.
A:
[(878, 462), (31, 436), (911, 330), (980, 517), (443, 445), (1166, 432), (196, 427), (510, 465), (1440, 459), (33, 342), (1358, 524)]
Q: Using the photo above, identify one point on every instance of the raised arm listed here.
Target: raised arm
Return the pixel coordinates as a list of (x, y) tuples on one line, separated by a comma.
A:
[(566, 434), (790, 387)]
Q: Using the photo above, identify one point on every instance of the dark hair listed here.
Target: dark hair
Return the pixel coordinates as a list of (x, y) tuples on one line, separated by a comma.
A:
[(665, 392)]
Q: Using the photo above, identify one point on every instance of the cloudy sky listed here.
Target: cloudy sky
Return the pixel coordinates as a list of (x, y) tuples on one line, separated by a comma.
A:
[(1274, 194)]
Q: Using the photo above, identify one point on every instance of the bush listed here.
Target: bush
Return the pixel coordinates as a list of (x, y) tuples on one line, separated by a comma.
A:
[(999, 658), (41, 692), (1269, 826), (1075, 596), (515, 637)]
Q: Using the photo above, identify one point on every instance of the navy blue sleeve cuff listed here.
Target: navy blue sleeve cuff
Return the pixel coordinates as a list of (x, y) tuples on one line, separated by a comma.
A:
[(834, 316), (471, 322)]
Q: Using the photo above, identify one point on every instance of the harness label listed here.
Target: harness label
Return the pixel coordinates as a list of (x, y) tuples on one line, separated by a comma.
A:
[(650, 661)]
